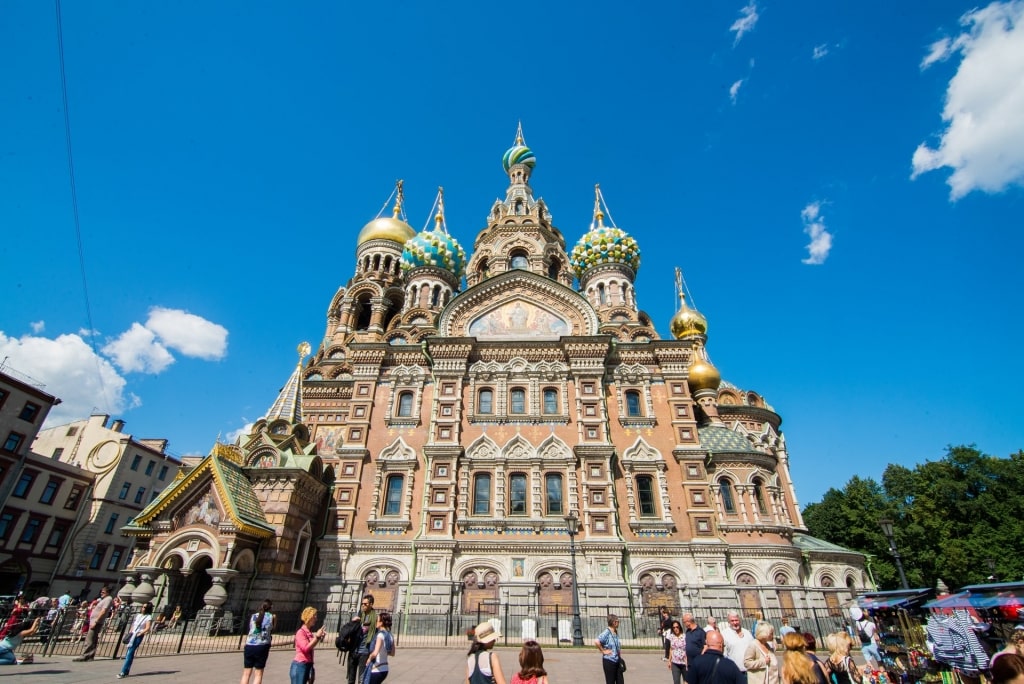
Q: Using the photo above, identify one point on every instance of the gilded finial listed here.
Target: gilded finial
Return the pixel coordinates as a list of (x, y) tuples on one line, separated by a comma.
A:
[(519, 134), (303, 349), (598, 214), (399, 197), (679, 287)]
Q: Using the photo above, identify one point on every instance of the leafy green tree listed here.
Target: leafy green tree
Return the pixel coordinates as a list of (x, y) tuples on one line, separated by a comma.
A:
[(959, 519)]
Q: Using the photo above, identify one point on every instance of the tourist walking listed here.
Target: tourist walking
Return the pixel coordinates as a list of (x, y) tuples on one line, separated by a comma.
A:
[(357, 660), (712, 667), (760, 661), (608, 644), (383, 646), (97, 618), (677, 651), (531, 665), (695, 637), (306, 640), (737, 639), (482, 665), (797, 667), (666, 629), (842, 669), (140, 628), (257, 644)]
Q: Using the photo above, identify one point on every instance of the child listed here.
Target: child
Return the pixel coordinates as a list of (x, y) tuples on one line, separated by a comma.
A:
[(531, 664)]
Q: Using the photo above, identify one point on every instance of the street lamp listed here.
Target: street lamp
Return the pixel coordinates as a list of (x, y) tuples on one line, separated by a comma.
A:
[(572, 524), (886, 525)]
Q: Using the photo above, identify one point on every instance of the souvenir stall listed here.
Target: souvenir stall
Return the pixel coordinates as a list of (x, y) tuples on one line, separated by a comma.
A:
[(898, 617), (966, 628)]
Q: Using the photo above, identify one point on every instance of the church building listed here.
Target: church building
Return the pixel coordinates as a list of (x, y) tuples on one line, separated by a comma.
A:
[(464, 413)]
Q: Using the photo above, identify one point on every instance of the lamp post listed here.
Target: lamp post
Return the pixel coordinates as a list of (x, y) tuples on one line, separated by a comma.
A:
[(572, 524), (886, 525)]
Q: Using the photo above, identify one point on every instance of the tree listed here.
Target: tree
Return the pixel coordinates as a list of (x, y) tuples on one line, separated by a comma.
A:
[(952, 516)]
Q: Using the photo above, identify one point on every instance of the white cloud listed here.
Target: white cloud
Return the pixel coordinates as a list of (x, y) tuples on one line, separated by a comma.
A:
[(234, 435), (821, 240), (38, 326), (734, 90), (84, 382), (189, 334), (984, 138), (745, 24), (137, 350), (819, 51)]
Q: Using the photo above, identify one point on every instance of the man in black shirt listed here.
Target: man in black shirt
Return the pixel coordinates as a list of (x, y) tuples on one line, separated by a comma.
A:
[(695, 637), (713, 667)]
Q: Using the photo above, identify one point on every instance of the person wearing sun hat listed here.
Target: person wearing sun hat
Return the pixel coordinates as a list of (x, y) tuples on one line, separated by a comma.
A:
[(480, 669)]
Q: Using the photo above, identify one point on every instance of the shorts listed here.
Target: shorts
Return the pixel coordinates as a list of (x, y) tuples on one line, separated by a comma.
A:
[(255, 656)]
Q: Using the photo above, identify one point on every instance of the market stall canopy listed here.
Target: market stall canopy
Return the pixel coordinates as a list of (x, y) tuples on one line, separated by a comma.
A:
[(902, 598)]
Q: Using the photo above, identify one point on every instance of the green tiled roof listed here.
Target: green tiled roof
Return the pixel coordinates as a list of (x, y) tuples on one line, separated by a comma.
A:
[(806, 542), (241, 496), (719, 439)]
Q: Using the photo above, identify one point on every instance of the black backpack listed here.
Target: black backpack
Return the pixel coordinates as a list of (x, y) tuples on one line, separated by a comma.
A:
[(349, 636)]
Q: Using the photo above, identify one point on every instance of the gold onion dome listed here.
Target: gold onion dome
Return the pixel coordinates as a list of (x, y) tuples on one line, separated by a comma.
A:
[(703, 375), (386, 228), (688, 322)]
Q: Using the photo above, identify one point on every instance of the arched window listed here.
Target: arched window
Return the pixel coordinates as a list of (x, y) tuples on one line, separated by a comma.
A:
[(550, 401), (762, 508), (517, 494), (405, 404), (519, 260), (393, 495), (554, 268), (482, 494), (435, 298), (364, 310), (725, 490), (602, 298), (517, 401), (553, 486), (485, 401), (633, 404), (645, 495)]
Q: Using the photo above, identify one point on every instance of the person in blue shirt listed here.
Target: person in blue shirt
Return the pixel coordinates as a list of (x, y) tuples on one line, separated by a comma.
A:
[(608, 644)]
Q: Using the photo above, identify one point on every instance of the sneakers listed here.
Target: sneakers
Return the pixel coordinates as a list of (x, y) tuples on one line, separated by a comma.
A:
[(121, 675), (82, 659), (664, 660), (30, 658)]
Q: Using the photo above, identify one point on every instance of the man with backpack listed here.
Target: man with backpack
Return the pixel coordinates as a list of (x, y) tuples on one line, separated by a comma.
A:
[(367, 621)]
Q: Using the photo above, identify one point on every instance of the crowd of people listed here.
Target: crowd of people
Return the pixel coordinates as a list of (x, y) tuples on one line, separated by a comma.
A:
[(731, 654)]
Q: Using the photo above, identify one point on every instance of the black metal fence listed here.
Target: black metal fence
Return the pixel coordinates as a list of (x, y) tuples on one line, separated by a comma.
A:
[(551, 625)]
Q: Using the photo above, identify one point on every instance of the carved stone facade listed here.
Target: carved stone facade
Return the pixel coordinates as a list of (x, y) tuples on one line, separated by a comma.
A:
[(458, 410)]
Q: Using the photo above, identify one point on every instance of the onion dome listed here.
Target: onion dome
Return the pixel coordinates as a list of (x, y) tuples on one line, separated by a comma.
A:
[(519, 153), (604, 245), (390, 228), (435, 247), (687, 322), (703, 374)]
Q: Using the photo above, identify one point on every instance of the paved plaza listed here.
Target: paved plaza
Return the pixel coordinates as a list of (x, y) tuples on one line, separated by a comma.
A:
[(408, 666)]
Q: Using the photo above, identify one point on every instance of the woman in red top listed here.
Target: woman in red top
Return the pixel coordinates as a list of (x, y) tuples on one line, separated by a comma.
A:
[(305, 641), (531, 664)]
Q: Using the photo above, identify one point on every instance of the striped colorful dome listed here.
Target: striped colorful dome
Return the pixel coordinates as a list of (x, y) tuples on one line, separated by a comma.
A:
[(434, 248), (605, 245), (518, 154)]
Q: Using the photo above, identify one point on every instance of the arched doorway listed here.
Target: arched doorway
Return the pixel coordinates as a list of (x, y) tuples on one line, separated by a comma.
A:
[(659, 590), (555, 597), (196, 584), (480, 592)]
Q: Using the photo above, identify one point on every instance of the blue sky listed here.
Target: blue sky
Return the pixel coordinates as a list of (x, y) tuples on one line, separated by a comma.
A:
[(840, 183)]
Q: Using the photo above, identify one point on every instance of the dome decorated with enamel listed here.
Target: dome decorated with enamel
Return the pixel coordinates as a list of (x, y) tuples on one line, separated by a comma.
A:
[(605, 245), (518, 154), (434, 248)]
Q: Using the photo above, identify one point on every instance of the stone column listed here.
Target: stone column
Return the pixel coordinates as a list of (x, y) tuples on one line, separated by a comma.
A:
[(145, 591), (218, 594), (125, 594)]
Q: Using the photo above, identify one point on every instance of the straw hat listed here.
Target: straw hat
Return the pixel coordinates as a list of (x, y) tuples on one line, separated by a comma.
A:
[(485, 633)]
